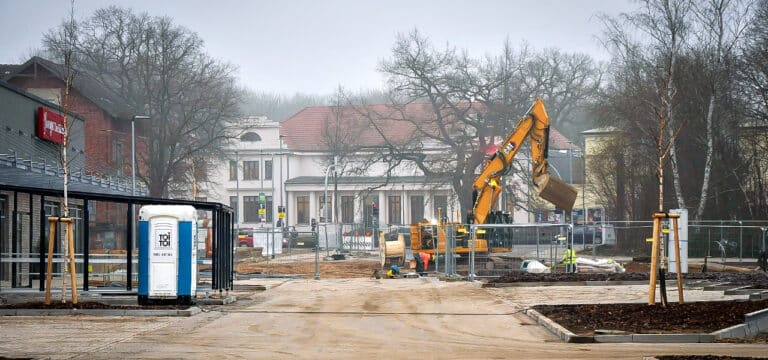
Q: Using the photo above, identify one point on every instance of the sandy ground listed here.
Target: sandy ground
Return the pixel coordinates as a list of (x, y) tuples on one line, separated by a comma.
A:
[(346, 318)]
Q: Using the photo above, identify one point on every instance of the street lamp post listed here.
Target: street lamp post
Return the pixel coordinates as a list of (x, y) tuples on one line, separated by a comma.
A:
[(237, 192), (325, 202), (133, 150), (280, 138)]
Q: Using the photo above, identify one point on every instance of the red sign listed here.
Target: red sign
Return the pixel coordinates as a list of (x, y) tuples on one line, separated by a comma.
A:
[(50, 125)]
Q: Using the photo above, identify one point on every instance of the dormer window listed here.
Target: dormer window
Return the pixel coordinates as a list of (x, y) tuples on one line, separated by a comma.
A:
[(250, 136)]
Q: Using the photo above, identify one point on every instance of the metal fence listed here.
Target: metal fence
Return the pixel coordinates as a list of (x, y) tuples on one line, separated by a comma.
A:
[(300, 252), (496, 250), (738, 241), (279, 252)]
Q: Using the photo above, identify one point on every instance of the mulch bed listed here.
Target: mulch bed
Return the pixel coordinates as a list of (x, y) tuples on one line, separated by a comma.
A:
[(695, 317), (757, 280), (89, 305)]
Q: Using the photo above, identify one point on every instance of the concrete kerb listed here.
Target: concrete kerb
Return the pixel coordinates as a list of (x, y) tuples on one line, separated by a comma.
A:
[(755, 322), (670, 283), (100, 312)]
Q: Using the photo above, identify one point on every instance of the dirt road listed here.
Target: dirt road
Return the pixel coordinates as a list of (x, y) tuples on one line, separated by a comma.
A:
[(338, 318)]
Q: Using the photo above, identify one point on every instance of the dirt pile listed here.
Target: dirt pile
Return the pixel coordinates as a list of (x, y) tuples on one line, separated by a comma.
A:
[(333, 269), (696, 317)]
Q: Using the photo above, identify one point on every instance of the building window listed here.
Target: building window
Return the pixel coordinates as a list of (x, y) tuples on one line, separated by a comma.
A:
[(394, 210), (441, 202), (302, 209), (267, 169), (250, 170), (417, 208), (117, 157), (348, 209), (232, 170), (250, 136), (251, 209), (233, 205)]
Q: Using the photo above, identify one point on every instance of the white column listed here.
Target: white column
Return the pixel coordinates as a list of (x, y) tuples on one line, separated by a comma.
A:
[(383, 208), (313, 206), (405, 206), (290, 208)]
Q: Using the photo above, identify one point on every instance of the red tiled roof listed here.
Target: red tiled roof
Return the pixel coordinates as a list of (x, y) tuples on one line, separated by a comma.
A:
[(306, 130)]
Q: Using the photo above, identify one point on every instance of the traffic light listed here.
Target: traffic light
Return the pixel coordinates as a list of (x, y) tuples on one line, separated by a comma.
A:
[(375, 209)]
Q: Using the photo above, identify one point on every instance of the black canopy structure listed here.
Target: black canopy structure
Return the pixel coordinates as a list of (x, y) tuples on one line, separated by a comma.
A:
[(34, 184)]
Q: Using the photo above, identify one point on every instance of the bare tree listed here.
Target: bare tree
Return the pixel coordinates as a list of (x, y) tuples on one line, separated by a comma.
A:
[(162, 71), (455, 106), (664, 24), (722, 25), (753, 85)]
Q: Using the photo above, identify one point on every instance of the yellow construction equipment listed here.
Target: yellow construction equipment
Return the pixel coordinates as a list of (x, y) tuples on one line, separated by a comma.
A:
[(534, 126)]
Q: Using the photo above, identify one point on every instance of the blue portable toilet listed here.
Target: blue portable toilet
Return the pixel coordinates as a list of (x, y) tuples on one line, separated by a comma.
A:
[(167, 254)]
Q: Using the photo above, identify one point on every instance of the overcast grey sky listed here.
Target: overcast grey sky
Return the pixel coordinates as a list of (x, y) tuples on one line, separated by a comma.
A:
[(309, 46)]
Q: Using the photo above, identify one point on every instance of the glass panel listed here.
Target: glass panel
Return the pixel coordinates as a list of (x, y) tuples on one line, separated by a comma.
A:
[(417, 208), (394, 209), (302, 209), (251, 209), (348, 209)]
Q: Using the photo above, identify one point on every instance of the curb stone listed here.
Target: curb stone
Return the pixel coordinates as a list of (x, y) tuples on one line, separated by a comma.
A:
[(754, 323), (100, 312)]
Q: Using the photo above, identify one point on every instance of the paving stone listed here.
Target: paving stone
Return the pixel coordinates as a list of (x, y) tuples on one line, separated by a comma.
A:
[(665, 338), (613, 338)]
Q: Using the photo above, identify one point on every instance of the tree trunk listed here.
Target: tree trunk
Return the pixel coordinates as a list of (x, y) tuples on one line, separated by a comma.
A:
[(676, 172), (708, 164)]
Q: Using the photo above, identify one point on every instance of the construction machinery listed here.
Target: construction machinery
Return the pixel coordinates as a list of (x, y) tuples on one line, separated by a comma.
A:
[(534, 126)]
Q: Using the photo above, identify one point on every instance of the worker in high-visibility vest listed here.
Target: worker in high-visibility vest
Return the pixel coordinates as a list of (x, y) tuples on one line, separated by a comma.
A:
[(393, 271), (569, 259)]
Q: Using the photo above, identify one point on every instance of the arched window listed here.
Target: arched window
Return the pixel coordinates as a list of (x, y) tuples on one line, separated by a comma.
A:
[(250, 136)]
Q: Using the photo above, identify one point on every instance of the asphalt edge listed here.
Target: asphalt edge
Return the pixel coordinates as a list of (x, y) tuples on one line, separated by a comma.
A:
[(100, 312)]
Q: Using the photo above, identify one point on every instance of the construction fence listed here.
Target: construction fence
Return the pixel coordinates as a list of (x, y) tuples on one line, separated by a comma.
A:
[(478, 251), (301, 252), (496, 250)]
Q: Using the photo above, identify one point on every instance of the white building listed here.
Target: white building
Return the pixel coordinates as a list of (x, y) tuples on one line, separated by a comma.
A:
[(287, 162)]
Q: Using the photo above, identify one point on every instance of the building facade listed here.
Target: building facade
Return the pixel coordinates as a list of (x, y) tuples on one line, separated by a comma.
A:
[(273, 166)]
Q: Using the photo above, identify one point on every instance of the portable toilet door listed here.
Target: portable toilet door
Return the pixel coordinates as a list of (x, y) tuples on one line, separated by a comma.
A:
[(167, 254)]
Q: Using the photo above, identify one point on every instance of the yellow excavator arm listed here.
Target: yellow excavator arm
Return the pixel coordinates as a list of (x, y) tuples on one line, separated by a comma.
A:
[(534, 126)]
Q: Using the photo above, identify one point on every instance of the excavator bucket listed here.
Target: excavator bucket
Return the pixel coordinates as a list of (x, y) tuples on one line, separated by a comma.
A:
[(556, 191)]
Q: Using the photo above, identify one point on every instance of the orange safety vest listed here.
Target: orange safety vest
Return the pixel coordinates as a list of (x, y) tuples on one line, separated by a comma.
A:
[(425, 258)]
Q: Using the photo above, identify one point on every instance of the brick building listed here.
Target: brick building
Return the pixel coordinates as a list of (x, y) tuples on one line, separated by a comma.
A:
[(107, 117)]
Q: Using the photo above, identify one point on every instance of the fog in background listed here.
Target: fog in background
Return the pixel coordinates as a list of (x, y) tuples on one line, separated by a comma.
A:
[(313, 47)]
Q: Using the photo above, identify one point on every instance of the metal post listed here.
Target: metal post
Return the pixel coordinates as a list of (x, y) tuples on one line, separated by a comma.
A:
[(317, 261), (42, 242), (215, 253), (15, 237), (237, 193), (86, 243), (280, 139), (325, 202), (741, 234), (133, 156), (570, 171), (31, 232), (538, 254), (129, 250), (473, 234)]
